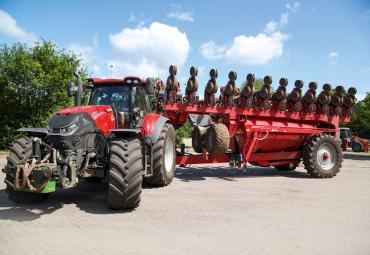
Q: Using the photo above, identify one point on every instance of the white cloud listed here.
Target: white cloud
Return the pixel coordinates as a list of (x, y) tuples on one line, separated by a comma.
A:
[(256, 50), (181, 15), (143, 68), (284, 19), (333, 57), (210, 50), (271, 26), (293, 7), (253, 50), (150, 50), (9, 27), (247, 50), (85, 52), (88, 55)]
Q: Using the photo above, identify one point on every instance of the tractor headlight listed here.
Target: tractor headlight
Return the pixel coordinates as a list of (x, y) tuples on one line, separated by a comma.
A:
[(64, 130), (69, 129)]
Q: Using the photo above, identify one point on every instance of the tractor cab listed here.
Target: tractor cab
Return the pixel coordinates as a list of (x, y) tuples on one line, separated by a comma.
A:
[(128, 98)]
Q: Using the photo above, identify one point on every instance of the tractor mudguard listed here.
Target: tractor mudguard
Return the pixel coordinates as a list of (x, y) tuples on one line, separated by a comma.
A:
[(152, 127), (125, 132), (37, 132)]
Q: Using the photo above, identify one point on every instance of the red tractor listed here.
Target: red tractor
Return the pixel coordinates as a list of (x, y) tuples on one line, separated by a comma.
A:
[(114, 138)]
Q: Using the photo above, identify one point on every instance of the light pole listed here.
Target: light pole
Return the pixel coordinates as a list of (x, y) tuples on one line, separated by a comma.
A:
[(111, 70)]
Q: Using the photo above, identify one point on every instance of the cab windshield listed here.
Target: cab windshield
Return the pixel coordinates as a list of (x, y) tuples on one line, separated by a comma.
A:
[(117, 96)]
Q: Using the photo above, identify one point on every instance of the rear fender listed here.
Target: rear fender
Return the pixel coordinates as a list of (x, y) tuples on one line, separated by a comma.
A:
[(152, 127)]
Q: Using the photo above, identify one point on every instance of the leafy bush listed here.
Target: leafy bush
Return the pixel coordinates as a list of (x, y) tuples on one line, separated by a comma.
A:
[(33, 82)]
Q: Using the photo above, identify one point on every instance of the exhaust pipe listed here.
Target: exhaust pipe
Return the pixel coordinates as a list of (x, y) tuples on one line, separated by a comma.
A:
[(78, 96)]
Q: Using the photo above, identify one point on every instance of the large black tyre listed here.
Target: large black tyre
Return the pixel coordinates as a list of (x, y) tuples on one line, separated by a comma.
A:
[(164, 150), (125, 174), (288, 167), (322, 156), (198, 138), (20, 151), (217, 139), (357, 147)]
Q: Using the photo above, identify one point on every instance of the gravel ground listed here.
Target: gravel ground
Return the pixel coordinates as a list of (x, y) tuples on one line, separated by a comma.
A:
[(206, 210)]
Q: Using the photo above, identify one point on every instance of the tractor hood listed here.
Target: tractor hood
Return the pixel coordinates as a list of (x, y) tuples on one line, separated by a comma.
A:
[(102, 115), (92, 110)]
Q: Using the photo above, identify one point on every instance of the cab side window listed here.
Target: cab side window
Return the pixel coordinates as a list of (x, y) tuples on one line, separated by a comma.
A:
[(140, 99)]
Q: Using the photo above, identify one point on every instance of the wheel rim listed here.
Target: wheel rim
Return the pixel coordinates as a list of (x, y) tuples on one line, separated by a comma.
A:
[(169, 155), (326, 157)]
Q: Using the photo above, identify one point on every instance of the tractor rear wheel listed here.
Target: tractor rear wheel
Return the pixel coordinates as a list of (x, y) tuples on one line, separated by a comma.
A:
[(322, 156), (20, 151), (125, 174), (288, 167), (164, 158), (217, 139)]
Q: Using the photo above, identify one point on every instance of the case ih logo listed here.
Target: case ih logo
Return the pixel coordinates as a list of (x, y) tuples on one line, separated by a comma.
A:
[(96, 115)]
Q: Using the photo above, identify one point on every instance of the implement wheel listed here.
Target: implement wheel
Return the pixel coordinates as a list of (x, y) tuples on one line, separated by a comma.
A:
[(217, 139), (164, 158), (288, 167), (198, 138), (125, 174), (20, 151), (322, 156)]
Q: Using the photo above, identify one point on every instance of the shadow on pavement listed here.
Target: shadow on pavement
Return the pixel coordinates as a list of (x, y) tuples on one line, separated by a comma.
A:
[(359, 156), (232, 174), (89, 197)]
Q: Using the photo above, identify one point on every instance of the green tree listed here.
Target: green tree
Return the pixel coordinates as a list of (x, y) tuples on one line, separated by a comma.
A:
[(33, 84), (360, 122), (183, 132)]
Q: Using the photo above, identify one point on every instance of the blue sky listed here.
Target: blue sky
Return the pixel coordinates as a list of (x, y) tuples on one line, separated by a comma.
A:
[(322, 41)]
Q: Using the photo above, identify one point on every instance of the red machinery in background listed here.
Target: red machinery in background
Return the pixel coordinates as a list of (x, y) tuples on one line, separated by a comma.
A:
[(356, 143)]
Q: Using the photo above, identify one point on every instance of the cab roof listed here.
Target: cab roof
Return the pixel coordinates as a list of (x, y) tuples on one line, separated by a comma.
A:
[(128, 80)]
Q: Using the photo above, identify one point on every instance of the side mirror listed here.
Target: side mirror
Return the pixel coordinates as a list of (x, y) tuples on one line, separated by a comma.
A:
[(149, 86), (88, 88), (71, 89)]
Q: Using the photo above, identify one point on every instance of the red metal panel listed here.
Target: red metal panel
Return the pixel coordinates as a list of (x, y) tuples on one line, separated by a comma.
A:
[(275, 156), (149, 121), (99, 80), (101, 114), (257, 113)]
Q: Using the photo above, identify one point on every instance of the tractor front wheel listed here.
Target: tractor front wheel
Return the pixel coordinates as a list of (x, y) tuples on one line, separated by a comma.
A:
[(20, 151), (322, 156), (125, 174), (164, 158)]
